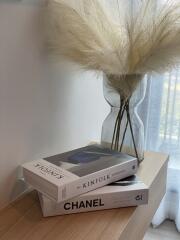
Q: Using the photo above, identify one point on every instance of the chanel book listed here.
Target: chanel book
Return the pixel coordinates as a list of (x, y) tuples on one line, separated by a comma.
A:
[(124, 193), (73, 173)]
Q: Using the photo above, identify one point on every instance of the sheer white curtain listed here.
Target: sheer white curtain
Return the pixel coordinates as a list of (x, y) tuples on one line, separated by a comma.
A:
[(162, 130), (161, 116)]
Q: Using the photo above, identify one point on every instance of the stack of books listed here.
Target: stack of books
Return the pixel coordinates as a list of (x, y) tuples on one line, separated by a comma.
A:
[(86, 179)]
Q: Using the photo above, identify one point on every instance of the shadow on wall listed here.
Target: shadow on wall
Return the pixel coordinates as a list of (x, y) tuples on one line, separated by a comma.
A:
[(41, 111)]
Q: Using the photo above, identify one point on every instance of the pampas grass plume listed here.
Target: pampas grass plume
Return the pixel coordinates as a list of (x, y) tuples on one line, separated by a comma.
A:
[(147, 41)]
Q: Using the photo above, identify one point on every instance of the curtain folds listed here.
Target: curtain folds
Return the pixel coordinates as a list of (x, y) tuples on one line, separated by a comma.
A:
[(162, 118), (160, 112)]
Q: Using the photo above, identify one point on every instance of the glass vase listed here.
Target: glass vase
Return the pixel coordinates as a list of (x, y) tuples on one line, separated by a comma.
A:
[(123, 130)]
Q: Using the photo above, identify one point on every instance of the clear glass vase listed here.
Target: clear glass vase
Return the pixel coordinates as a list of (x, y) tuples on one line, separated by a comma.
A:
[(123, 130)]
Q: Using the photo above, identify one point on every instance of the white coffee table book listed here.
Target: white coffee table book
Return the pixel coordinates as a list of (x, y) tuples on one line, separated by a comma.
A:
[(73, 173), (127, 192)]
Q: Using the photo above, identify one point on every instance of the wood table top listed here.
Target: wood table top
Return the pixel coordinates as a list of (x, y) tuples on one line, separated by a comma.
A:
[(23, 218)]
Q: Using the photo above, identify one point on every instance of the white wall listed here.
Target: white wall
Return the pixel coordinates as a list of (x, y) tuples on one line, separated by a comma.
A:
[(42, 112)]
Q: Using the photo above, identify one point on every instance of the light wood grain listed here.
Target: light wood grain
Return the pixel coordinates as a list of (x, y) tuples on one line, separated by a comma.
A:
[(23, 219)]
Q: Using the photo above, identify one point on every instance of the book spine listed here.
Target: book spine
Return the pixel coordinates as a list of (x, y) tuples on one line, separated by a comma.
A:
[(97, 180), (41, 185), (94, 203)]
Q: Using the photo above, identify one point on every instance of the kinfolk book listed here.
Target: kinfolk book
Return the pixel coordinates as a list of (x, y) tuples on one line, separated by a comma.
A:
[(124, 193), (73, 173)]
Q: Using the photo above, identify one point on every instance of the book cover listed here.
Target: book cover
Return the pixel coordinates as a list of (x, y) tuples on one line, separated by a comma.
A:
[(124, 193), (70, 174)]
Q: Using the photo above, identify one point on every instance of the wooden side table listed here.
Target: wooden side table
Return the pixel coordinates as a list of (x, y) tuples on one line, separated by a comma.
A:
[(23, 220)]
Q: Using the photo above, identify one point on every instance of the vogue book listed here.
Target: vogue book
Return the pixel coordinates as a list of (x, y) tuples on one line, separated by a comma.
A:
[(73, 173), (124, 193)]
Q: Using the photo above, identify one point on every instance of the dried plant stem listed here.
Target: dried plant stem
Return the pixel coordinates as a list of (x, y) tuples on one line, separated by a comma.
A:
[(119, 125), (124, 134), (132, 133), (124, 108), (116, 123)]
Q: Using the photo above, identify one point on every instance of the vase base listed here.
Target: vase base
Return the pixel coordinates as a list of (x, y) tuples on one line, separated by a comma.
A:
[(127, 150)]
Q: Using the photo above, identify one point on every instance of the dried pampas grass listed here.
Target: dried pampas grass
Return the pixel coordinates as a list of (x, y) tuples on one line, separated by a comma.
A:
[(125, 48), (147, 41), (86, 37)]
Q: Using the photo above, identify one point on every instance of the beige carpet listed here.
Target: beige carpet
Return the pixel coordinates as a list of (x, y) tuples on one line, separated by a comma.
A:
[(167, 231)]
